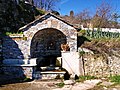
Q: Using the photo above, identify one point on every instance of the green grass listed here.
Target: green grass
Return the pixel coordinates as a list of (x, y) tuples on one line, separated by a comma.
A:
[(60, 85), (11, 33), (115, 79), (86, 77), (26, 79)]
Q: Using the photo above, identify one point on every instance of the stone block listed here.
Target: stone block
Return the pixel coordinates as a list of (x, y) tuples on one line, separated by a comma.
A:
[(33, 61)]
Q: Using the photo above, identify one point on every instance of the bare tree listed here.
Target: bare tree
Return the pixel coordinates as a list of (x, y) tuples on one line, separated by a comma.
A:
[(46, 4), (83, 17), (114, 21), (102, 16)]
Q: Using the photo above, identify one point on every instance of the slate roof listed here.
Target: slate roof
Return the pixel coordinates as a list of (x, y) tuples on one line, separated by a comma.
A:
[(41, 18)]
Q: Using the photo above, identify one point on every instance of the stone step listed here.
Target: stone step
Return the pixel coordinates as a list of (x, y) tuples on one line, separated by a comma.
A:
[(48, 75)]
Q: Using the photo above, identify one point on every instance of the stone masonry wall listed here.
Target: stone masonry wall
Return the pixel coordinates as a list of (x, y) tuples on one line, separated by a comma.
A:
[(52, 22), (19, 47), (19, 71), (15, 48), (0, 48), (98, 65)]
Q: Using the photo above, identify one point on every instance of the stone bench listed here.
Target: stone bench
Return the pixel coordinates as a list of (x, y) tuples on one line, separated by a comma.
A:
[(19, 61)]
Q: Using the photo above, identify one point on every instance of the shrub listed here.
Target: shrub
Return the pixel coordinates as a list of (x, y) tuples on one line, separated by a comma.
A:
[(41, 12), (82, 32), (101, 34)]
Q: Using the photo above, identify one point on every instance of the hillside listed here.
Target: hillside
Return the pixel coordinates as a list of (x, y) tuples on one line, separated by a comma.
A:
[(14, 16)]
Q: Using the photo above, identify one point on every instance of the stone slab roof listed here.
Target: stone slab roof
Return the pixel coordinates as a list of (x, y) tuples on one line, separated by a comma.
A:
[(44, 17)]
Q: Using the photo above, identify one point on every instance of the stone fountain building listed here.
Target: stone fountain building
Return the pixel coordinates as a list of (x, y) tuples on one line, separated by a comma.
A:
[(40, 46)]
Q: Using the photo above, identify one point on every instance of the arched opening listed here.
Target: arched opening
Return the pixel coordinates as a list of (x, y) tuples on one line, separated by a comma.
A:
[(46, 46)]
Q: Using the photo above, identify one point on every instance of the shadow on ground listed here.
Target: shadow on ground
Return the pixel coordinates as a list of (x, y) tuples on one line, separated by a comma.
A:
[(9, 79)]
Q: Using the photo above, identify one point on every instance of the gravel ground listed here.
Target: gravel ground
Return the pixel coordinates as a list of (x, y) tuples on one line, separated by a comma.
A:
[(33, 85), (7, 83), (25, 86), (10, 83)]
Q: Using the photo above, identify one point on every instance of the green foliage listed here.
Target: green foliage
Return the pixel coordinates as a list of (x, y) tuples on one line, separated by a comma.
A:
[(86, 77), (60, 85), (115, 79), (82, 32), (97, 34), (41, 12), (26, 79), (81, 53), (11, 33)]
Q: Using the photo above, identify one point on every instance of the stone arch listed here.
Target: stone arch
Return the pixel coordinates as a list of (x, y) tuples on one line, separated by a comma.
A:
[(47, 42), (46, 22)]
